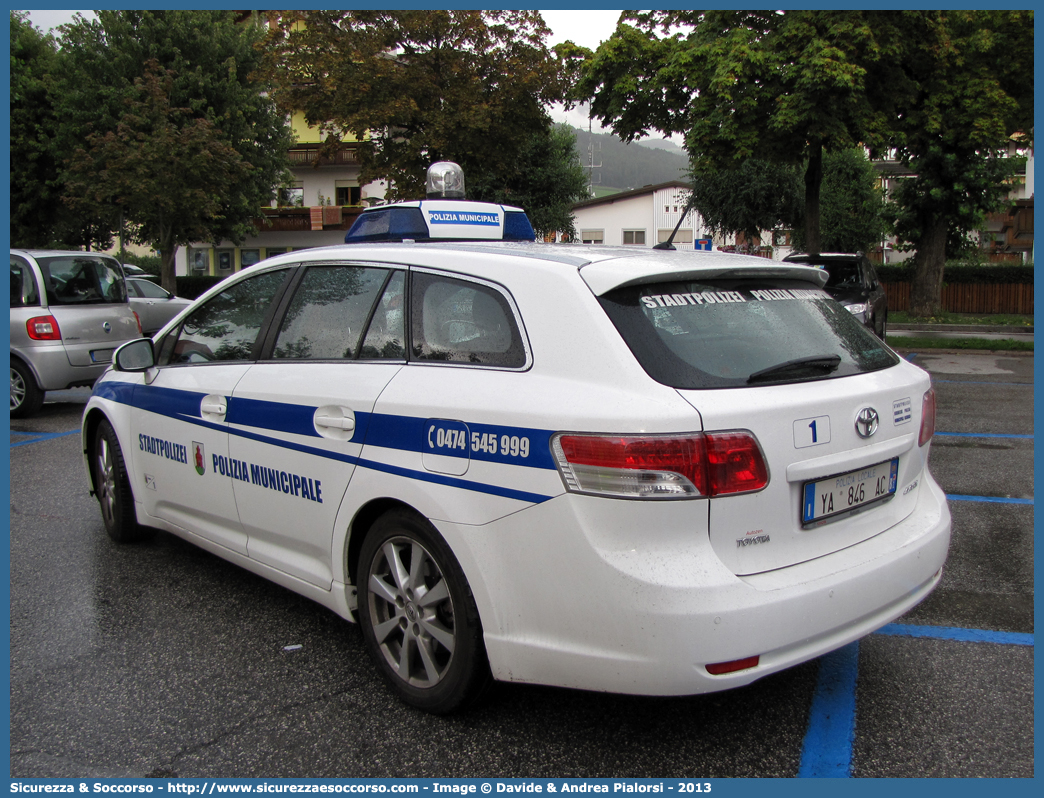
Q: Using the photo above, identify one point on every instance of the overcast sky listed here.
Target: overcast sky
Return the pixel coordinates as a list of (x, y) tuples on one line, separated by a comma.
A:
[(587, 28)]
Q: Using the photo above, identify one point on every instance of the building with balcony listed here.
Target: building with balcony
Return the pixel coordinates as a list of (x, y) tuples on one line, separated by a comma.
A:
[(314, 210), (1008, 237)]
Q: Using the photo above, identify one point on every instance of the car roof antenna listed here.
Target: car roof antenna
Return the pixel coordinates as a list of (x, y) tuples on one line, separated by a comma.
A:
[(669, 243)]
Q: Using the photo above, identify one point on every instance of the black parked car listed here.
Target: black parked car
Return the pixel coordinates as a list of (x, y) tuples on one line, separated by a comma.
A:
[(853, 282)]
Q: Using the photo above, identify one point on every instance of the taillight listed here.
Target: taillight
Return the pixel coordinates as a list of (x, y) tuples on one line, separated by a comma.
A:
[(661, 466), (43, 328), (718, 668), (734, 463), (927, 417), (137, 319)]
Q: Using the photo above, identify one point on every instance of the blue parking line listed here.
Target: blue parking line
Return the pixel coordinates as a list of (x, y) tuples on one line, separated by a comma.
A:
[(827, 748), (954, 633), (956, 497), (37, 437)]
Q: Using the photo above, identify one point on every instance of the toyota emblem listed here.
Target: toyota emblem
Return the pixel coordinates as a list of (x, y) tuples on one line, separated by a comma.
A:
[(866, 423)]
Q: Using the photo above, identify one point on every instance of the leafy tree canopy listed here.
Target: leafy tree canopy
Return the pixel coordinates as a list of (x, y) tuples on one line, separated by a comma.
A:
[(755, 196), (547, 188), (854, 217), (34, 172), (168, 168), (773, 85), (186, 79), (969, 89), (420, 86)]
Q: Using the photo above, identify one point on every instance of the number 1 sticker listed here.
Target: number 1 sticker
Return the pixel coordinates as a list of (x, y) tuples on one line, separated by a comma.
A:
[(811, 431)]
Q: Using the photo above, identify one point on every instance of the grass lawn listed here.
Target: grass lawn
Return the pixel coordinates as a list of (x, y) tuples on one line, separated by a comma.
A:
[(1001, 345), (1003, 319)]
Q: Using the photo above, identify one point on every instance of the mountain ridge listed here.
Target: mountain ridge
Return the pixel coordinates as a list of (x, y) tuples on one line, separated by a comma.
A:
[(623, 166)]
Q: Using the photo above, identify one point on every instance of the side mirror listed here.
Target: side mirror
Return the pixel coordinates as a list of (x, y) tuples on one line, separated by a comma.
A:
[(134, 356)]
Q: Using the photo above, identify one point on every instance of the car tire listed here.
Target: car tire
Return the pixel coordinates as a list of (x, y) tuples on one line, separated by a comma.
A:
[(883, 327), (112, 487), (26, 396), (418, 615)]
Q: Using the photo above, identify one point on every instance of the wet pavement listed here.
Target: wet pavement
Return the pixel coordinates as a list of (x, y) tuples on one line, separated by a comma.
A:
[(160, 659)]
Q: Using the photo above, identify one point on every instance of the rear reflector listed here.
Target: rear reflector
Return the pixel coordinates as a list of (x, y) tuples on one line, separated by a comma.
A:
[(661, 466), (927, 418), (719, 668), (43, 328)]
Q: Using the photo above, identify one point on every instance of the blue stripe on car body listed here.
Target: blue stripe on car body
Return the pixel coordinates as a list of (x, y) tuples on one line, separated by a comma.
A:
[(404, 433)]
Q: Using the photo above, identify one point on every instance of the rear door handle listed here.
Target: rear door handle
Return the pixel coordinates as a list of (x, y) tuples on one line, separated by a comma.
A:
[(213, 407), (332, 421), (336, 423)]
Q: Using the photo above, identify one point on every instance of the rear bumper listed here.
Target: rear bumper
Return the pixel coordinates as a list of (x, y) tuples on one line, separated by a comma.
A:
[(595, 596), (53, 371)]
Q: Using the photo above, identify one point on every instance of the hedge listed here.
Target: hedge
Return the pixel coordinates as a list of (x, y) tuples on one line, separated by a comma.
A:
[(956, 272), (192, 286)]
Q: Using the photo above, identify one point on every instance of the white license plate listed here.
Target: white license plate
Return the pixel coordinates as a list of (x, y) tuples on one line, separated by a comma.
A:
[(101, 355), (845, 493)]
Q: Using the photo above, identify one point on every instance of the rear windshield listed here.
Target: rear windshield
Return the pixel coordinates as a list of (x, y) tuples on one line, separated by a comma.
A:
[(81, 280), (843, 275), (735, 333)]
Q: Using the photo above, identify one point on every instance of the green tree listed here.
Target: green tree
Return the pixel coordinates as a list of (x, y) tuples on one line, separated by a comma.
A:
[(168, 168), (968, 90), (549, 181), (204, 62), (415, 87), (755, 196), (34, 171), (771, 85), (853, 209)]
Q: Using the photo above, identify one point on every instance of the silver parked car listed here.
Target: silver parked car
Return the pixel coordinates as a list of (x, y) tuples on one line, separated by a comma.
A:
[(154, 305), (69, 311)]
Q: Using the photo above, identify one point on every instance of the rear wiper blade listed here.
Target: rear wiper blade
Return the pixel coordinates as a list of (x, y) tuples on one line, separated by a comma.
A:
[(818, 364)]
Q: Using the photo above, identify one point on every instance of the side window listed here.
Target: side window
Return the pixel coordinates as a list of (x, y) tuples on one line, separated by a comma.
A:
[(226, 327), (328, 313), (82, 280), (148, 290), (23, 285), (871, 274), (386, 335), (456, 321)]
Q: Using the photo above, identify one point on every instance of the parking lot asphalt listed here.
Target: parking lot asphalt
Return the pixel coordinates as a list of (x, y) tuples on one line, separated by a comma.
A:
[(161, 660)]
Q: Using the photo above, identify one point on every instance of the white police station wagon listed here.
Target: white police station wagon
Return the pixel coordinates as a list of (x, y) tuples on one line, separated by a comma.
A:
[(624, 470)]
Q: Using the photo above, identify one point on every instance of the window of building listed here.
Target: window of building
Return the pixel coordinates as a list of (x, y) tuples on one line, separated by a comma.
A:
[(225, 259), (683, 236), (634, 237), (248, 257), (198, 260), (291, 196), (348, 195), (592, 236)]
